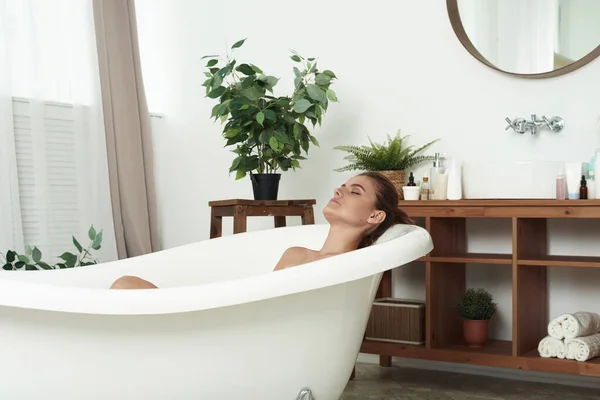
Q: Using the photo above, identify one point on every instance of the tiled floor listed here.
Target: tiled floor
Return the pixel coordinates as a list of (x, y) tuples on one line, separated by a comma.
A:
[(375, 383)]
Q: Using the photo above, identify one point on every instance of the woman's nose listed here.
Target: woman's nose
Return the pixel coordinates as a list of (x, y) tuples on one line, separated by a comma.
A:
[(337, 193)]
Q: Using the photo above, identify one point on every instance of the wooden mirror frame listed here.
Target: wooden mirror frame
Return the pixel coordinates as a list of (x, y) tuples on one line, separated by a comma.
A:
[(459, 30)]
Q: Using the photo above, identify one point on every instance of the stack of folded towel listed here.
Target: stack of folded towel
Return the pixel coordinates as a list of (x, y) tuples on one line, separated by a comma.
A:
[(572, 336)]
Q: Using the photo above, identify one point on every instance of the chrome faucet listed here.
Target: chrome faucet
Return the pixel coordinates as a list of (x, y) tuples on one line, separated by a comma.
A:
[(521, 125)]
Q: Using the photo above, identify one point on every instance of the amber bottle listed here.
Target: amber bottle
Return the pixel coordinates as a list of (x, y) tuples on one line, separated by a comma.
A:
[(583, 190)]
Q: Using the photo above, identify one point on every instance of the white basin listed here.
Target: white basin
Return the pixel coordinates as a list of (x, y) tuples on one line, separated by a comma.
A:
[(510, 180)]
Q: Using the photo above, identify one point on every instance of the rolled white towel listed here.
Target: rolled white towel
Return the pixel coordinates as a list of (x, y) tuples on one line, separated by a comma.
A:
[(552, 347), (581, 324), (569, 326), (583, 348), (555, 328)]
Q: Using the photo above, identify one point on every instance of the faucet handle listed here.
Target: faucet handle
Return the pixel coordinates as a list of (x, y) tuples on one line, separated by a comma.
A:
[(518, 124)]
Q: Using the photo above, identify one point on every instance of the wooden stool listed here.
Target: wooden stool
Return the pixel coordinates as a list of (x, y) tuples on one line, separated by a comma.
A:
[(241, 209)]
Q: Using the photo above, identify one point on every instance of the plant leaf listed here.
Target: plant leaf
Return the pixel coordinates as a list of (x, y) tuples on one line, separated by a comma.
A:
[(77, 245), (217, 92), (91, 233), (260, 117), (7, 267), (97, 241), (316, 93), (36, 254), (10, 256), (239, 43), (246, 69), (302, 105)]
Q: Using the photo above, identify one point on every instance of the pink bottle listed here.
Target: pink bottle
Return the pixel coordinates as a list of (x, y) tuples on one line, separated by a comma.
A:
[(561, 187)]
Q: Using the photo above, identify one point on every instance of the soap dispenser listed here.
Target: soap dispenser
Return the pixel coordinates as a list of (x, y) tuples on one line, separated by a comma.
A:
[(434, 171)]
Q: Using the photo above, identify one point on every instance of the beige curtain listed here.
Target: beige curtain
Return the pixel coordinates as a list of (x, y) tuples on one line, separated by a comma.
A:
[(127, 124)]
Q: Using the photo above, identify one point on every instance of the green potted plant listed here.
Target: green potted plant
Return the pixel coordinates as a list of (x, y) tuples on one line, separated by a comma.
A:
[(32, 259), (269, 132), (476, 307), (392, 158)]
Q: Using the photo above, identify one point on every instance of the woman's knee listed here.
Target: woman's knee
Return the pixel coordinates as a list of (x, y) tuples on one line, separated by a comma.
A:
[(132, 282)]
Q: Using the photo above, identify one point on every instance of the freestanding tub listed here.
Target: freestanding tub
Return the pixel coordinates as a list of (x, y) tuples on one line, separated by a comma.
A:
[(222, 326)]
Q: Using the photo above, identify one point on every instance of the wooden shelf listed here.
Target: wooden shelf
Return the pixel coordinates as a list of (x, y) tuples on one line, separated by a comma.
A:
[(445, 282), (495, 354), (472, 258), (563, 261)]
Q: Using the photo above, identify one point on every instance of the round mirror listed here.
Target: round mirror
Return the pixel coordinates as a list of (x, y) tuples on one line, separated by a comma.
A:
[(528, 38)]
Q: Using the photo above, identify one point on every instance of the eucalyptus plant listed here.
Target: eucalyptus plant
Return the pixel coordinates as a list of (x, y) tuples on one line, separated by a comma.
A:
[(476, 304), (392, 155), (269, 132), (32, 259)]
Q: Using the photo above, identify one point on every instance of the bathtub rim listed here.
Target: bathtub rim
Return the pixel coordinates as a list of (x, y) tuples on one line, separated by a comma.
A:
[(355, 265)]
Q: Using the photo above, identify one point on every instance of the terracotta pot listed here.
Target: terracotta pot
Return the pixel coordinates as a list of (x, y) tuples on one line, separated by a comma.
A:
[(398, 178), (476, 332)]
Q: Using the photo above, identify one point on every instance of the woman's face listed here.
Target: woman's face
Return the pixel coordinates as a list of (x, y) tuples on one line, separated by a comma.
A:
[(353, 203)]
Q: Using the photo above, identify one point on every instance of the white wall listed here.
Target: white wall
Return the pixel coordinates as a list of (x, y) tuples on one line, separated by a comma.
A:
[(399, 66)]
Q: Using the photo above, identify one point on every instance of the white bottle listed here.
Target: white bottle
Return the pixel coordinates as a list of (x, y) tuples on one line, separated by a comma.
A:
[(454, 171), (434, 171)]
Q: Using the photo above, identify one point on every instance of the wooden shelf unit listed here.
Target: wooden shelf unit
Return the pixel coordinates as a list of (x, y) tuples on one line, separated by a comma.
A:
[(446, 276)]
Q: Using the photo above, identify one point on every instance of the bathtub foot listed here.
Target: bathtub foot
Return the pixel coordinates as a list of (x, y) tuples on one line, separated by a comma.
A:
[(305, 394)]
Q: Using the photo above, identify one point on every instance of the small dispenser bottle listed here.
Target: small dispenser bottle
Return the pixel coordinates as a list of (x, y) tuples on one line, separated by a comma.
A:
[(425, 189), (434, 171), (411, 180), (583, 190), (561, 187)]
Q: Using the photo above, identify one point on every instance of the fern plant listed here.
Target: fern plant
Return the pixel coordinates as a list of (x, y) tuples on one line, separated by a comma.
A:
[(476, 304), (394, 155)]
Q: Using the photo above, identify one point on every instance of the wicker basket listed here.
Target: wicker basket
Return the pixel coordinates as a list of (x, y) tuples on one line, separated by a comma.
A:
[(398, 178), (397, 321)]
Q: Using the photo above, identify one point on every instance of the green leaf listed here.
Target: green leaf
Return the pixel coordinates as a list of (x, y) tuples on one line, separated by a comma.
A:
[(77, 245), (235, 164), (314, 140), (44, 265), (23, 259), (7, 267), (271, 81), (212, 63), (295, 164), (36, 254), (274, 143), (239, 43), (30, 267), (260, 117), (97, 241), (316, 93), (240, 174), (255, 68), (66, 256), (302, 105), (70, 263), (331, 95), (296, 58), (246, 69), (20, 264), (209, 56), (218, 92), (10, 256), (270, 115), (91, 233), (323, 79), (330, 73)]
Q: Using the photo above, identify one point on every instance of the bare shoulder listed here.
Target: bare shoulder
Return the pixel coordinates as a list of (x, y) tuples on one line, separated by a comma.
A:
[(293, 256)]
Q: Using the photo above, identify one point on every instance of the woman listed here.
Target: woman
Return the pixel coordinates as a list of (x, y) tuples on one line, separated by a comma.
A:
[(360, 211)]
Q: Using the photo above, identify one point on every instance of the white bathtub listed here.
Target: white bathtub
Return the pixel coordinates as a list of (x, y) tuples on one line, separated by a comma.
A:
[(222, 326)]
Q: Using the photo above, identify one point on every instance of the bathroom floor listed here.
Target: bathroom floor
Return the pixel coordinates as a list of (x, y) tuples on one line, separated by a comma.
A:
[(375, 383)]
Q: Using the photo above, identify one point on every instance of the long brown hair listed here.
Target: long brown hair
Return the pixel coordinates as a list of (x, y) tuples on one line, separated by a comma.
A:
[(386, 199)]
